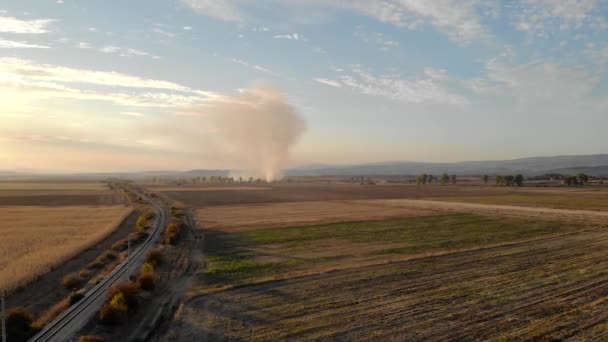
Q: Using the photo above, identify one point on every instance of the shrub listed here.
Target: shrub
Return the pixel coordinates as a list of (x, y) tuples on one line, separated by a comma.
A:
[(19, 325), (119, 245), (142, 222), (119, 303), (71, 281), (84, 273), (95, 265), (107, 256), (154, 257), (137, 237), (171, 233), (75, 297), (129, 291), (90, 338), (147, 269)]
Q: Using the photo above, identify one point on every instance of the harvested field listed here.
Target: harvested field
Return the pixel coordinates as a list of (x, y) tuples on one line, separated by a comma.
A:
[(547, 289), (198, 197), (34, 239), (565, 198), (448, 276), (590, 200), (297, 213), (56, 194)]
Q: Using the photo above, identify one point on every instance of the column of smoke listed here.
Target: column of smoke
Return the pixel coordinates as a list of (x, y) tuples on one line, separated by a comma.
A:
[(260, 126)]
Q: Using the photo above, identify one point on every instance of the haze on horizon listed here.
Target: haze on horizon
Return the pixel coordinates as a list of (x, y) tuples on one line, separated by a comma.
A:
[(96, 87)]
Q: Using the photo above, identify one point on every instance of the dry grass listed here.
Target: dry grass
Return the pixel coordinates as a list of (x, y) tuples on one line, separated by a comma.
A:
[(242, 217), (34, 239)]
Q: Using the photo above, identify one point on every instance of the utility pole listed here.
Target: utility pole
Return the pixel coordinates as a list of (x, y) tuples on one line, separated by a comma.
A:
[(3, 317)]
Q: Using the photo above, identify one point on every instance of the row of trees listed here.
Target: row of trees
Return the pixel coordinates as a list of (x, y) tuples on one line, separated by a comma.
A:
[(580, 179), (510, 180), (428, 179), (202, 180)]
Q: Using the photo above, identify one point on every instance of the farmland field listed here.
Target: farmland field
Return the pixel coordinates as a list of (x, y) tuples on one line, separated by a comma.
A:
[(565, 198), (365, 267), (34, 239), (56, 194)]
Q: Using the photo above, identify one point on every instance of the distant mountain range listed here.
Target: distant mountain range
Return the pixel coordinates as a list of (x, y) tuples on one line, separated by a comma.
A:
[(594, 165)]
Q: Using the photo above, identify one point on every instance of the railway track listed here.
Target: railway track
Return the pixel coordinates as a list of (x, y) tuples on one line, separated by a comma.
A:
[(66, 325)]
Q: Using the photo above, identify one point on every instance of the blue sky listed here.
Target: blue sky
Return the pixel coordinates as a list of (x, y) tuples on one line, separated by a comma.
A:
[(100, 85)]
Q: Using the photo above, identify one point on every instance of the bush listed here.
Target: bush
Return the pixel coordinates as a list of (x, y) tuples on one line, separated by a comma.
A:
[(84, 273), (19, 325), (75, 297), (171, 233), (71, 281), (90, 338), (142, 223), (107, 256), (147, 269), (119, 303), (129, 291), (154, 257), (95, 265), (120, 245)]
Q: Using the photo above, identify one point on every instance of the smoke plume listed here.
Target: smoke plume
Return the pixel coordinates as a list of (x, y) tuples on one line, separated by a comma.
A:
[(259, 126)]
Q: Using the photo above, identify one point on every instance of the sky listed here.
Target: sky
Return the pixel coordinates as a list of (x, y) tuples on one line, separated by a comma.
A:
[(113, 86)]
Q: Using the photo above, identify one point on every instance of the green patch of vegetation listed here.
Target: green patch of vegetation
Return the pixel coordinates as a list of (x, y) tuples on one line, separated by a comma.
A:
[(232, 256), (441, 231)]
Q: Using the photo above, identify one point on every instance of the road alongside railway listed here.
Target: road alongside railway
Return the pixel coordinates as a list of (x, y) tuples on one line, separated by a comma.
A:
[(65, 326)]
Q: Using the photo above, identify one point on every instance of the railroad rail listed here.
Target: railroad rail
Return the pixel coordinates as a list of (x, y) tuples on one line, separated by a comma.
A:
[(66, 325)]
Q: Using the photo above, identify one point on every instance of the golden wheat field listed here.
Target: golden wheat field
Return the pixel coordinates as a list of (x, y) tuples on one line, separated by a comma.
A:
[(34, 239)]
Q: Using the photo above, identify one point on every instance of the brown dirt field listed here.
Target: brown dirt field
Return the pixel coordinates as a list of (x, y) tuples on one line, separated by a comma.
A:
[(209, 188), (552, 288), (56, 194), (573, 215), (595, 198), (241, 217), (316, 192), (35, 239)]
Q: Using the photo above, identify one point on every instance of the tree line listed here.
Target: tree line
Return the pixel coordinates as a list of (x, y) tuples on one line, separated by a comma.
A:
[(428, 179)]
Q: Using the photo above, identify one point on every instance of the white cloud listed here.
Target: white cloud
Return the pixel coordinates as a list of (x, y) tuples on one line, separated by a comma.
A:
[(293, 36), (187, 28), (331, 83), (14, 25), (459, 19), (11, 44), (423, 89), (123, 52), (110, 49), (223, 10), (163, 32), (378, 39), (253, 66), (52, 73), (23, 81), (542, 16)]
